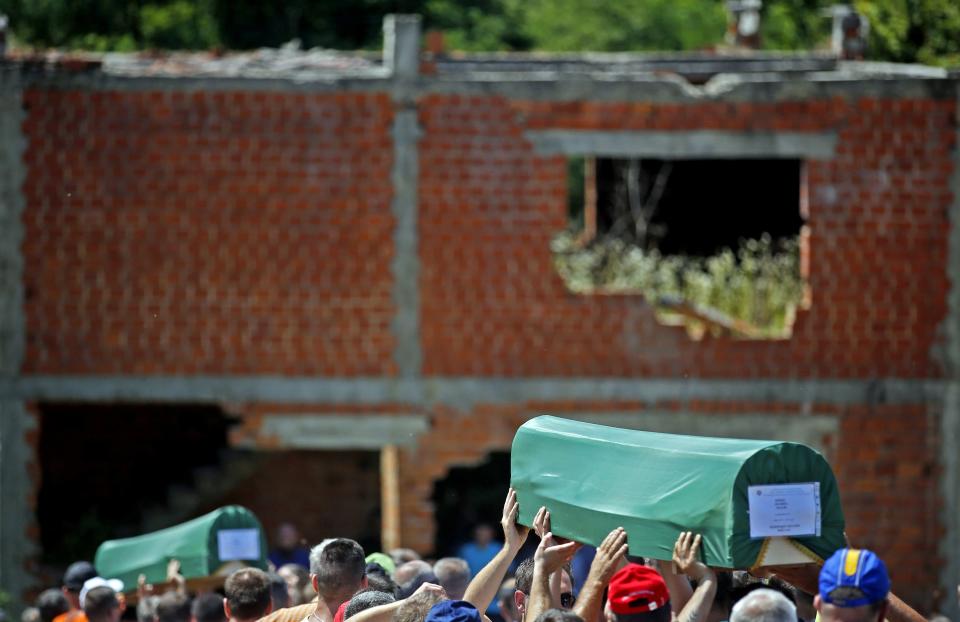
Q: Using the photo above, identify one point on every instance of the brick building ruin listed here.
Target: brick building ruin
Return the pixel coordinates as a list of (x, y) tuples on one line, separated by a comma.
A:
[(321, 285)]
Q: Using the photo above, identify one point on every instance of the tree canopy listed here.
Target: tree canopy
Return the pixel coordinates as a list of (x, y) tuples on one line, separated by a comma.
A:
[(926, 31)]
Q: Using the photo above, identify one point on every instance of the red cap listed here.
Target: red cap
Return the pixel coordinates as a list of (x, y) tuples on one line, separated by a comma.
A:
[(637, 589)]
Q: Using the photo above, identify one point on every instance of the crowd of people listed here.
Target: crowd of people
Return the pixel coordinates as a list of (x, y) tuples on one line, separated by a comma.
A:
[(342, 583)]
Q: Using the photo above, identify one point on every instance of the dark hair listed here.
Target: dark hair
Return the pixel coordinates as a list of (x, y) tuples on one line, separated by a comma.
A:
[(208, 607), (411, 586), (339, 567), (365, 599), (558, 615), (248, 593), (662, 614), (278, 591), (51, 603), (523, 577), (382, 583), (416, 608), (99, 603), (173, 607)]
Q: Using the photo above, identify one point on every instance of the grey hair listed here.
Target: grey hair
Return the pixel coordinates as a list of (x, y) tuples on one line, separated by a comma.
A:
[(763, 605), (315, 554)]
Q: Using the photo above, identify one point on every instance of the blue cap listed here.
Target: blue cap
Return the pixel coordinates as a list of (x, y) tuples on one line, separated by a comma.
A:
[(854, 577), (453, 611)]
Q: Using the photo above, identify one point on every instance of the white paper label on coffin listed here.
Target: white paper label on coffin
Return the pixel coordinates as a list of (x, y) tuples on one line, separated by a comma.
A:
[(235, 544), (784, 510)]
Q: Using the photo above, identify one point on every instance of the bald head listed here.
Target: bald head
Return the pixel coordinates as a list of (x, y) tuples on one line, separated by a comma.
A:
[(764, 605), (406, 572)]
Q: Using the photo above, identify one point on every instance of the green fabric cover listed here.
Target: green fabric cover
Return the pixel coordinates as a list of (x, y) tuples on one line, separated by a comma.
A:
[(594, 478), (194, 543)]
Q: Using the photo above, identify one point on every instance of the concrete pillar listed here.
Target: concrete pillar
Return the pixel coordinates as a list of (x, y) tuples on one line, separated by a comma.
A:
[(401, 45), (16, 513)]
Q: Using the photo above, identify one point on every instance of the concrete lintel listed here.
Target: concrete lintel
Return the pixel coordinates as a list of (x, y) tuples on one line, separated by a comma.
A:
[(465, 392), (656, 88), (12, 204), (686, 144), (348, 431)]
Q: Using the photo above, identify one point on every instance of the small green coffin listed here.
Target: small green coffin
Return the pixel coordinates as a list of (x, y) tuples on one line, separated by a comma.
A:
[(594, 478), (202, 546)]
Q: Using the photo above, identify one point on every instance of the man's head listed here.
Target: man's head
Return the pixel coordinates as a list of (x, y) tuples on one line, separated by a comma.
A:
[(366, 598), (278, 591), (76, 575), (248, 595), (402, 556), (382, 583), (483, 534), (51, 603), (337, 570), (173, 607), (102, 605), (454, 576), (416, 608), (763, 605), (297, 578), (147, 608), (407, 571), (853, 587), (506, 602), (288, 537), (638, 594), (208, 607), (523, 580)]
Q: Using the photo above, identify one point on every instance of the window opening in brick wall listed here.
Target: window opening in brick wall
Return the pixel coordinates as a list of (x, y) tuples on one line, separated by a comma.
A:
[(714, 245)]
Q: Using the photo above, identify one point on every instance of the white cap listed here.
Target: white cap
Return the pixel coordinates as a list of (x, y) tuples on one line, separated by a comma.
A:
[(115, 584)]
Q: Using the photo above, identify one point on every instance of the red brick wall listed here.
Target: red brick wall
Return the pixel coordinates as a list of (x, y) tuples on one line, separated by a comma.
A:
[(219, 233), (492, 304)]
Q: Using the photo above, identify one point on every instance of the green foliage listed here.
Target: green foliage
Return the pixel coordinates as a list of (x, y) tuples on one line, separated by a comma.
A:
[(622, 25), (759, 284), (795, 24), (926, 31), (179, 25)]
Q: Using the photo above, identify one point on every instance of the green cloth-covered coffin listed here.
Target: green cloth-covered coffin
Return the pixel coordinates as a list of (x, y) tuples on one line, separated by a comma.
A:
[(594, 478), (202, 546)]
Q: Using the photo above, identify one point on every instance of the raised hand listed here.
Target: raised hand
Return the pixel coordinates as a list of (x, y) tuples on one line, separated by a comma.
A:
[(541, 522), (610, 556), (550, 556), (685, 555), (514, 534)]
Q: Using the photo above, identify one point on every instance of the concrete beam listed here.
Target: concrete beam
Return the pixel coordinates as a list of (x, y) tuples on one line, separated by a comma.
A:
[(689, 144), (465, 392), (332, 431), (16, 513)]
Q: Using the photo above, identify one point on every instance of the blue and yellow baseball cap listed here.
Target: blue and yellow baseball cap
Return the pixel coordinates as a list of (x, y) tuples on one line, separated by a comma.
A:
[(854, 577)]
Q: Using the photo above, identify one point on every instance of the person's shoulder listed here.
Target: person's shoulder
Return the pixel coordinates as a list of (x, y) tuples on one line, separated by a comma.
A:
[(290, 614)]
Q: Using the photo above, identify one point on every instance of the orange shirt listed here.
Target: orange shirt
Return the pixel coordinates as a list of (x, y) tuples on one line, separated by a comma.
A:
[(74, 615)]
